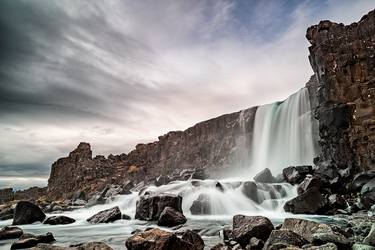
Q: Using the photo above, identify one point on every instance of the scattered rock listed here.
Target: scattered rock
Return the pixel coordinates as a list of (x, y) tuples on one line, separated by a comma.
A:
[(361, 179), (194, 239), (149, 207), (310, 202), (338, 239), (156, 239), (337, 201), (202, 205), (295, 175), (59, 220), (10, 233), (126, 217), (249, 188), (221, 246), (170, 217), (264, 176), (27, 213), (284, 237), (29, 240), (305, 228), (105, 216), (246, 227), (308, 183), (328, 246), (255, 244), (90, 246), (162, 180)]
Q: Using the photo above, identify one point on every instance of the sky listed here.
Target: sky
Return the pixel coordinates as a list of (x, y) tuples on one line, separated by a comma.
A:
[(117, 73)]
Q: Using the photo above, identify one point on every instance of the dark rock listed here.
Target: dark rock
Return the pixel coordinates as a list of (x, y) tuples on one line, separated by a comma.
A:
[(105, 216), (219, 187), (170, 217), (249, 188), (255, 244), (156, 239), (90, 246), (79, 195), (310, 202), (27, 213), (127, 187), (202, 205), (46, 246), (227, 234), (10, 233), (368, 194), (194, 239), (200, 174), (337, 201), (126, 217), (149, 207), (264, 176), (338, 239), (295, 175), (59, 220), (246, 227), (284, 237), (29, 240), (308, 183), (328, 246), (162, 180), (305, 228), (361, 179)]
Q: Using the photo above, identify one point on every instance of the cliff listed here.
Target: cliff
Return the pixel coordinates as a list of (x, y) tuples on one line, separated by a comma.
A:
[(342, 58), (214, 144)]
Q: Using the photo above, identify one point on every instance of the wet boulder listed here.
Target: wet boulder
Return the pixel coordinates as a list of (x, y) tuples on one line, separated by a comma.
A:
[(193, 238), (202, 205), (90, 246), (200, 174), (309, 202), (246, 227), (308, 183), (106, 216), (162, 180), (255, 244), (27, 213), (284, 238), (10, 233), (150, 206), (336, 238), (30, 240), (305, 228), (368, 194), (295, 175), (250, 189), (221, 246), (361, 179), (265, 176), (170, 217), (156, 239), (59, 220), (337, 201)]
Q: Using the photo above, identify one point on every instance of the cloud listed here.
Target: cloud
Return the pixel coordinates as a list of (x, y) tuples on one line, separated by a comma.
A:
[(116, 73)]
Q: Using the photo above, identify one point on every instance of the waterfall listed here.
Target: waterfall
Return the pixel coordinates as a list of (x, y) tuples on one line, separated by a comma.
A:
[(283, 134)]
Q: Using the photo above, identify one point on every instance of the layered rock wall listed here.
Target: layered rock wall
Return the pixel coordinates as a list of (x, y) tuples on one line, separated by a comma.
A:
[(214, 144), (343, 59)]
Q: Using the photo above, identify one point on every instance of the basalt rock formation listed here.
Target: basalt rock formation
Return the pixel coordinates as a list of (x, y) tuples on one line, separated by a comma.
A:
[(216, 143), (343, 59)]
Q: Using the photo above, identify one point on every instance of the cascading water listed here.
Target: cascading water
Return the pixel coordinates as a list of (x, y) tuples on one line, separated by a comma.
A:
[(283, 134)]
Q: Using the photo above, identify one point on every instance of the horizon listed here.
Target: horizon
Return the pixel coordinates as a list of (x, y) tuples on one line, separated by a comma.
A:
[(119, 75)]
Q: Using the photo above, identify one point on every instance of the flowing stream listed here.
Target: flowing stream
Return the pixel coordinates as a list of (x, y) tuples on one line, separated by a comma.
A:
[(282, 137)]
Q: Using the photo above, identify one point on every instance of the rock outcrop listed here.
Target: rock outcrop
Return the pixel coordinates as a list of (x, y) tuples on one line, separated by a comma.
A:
[(215, 144), (342, 57)]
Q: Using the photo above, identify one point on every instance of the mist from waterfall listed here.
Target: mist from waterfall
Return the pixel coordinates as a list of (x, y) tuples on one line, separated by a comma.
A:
[(283, 134)]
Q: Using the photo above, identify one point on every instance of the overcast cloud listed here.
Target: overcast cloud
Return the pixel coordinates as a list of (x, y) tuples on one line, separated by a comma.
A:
[(116, 73)]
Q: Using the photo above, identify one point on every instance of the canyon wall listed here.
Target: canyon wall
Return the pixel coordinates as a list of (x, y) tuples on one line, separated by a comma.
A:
[(213, 144), (342, 57)]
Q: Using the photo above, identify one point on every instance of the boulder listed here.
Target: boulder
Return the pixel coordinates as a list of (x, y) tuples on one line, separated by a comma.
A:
[(59, 220), (284, 237), (200, 174), (368, 194), (202, 205), (308, 183), (10, 233), (305, 228), (6, 213), (170, 217), (126, 217), (295, 175), (255, 244), (370, 238), (361, 179), (310, 202), (194, 239), (27, 213), (359, 246), (249, 188), (338, 239), (265, 176), (29, 240), (221, 246), (328, 246), (156, 239), (337, 201), (150, 206), (162, 180), (246, 227), (45, 246), (105, 216), (90, 246)]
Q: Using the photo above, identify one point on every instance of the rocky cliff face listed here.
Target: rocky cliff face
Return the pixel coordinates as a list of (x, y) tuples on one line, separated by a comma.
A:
[(343, 58), (214, 144)]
